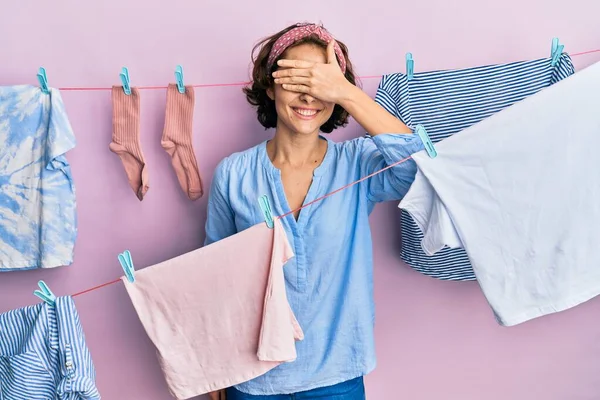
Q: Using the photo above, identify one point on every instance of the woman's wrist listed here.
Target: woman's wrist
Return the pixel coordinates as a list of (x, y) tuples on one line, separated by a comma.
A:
[(370, 115), (350, 96)]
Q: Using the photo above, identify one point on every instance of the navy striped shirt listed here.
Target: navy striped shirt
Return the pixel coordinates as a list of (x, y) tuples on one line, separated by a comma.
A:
[(446, 102), (43, 354)]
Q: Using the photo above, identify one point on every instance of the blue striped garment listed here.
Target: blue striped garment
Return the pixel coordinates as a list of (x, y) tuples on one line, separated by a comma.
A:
[(446, 102), (43, 354)]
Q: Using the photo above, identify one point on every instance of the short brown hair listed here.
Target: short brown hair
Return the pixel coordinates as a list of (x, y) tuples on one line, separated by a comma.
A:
[(256, 93)]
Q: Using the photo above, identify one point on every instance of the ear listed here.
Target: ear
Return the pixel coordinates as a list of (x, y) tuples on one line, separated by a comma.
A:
[(271, 93)]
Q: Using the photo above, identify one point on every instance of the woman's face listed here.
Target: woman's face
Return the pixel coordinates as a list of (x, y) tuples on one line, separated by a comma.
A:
[(299, 113)]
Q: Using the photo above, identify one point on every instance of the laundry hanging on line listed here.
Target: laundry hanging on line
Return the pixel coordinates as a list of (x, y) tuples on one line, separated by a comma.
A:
[(229, 296), (519, 193), (44, 355), (242, 322), (447, 102), (176, 139), (38, 224)]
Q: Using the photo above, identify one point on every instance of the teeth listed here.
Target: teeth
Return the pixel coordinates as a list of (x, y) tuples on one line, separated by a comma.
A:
[(307, 113)]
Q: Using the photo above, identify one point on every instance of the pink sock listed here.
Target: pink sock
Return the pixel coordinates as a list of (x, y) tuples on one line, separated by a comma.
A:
[(177, 140), (126, 138)]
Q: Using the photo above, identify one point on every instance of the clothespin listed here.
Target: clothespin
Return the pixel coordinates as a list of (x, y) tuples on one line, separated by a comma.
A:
[(127, 265), (43, 79), (410, 66), (265, 206), (179, 79), (124, 75), (45, 293), (556, 51), (429, 147)]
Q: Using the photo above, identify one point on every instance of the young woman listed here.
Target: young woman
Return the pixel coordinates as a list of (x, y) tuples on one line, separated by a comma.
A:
[(303, 84)]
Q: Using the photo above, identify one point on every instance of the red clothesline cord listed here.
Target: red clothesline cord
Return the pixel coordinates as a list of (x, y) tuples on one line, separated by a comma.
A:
[(246, 83), (96, 287), (280, 216), (585, 52)]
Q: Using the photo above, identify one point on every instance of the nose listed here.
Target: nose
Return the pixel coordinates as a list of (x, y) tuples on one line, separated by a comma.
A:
[(307, 98)]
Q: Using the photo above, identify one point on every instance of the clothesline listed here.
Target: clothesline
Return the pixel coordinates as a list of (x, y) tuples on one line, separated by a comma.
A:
[(246, 83), (283, 215)]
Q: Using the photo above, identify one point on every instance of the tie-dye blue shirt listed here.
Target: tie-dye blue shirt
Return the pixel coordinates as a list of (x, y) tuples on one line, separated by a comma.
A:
[(38, 224)]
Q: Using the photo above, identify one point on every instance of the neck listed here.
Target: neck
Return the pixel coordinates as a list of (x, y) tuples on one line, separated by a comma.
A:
[(296, 150)]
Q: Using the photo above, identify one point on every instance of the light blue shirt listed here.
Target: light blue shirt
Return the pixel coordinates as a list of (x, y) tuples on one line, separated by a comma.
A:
[(329, 281), (38, 220)]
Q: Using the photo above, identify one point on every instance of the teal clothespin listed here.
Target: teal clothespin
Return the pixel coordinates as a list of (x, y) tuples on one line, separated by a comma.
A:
[(265, 206), (556, 52), (410, 66), (127, 265), (43, 79), (45, 293), (124, 75), (429, 147), (179, 79)]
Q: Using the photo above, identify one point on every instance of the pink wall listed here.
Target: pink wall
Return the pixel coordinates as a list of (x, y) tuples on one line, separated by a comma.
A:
[(436, 340)]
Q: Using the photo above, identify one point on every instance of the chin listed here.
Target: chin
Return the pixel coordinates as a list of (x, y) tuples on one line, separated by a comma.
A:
[(306, 131)]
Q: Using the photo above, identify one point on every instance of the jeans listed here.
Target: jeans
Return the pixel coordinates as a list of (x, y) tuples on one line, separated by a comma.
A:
[(352, 389)]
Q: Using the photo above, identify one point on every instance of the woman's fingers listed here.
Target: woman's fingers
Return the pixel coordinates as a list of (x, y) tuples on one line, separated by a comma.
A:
[(295, 63), (297, 88), (292, 72), (293, 80)]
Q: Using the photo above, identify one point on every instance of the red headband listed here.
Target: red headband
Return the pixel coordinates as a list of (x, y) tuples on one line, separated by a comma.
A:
[(302, 31)]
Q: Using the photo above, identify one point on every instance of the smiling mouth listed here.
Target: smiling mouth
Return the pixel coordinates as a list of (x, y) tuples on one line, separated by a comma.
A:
[(306, 113)]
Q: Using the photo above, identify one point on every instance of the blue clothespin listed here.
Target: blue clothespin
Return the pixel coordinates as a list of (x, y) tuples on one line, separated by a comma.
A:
[(124, 75), (556, 51), (429, 147), (179, 79), (45, 293), (410, 66), (127, 265), (43, 79), (265, 206)]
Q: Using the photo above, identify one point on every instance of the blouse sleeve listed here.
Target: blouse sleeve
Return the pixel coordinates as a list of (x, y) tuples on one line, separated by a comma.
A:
[(220, 222), (383, 150)]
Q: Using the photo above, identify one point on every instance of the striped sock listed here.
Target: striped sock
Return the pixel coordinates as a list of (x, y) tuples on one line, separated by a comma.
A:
[(126, 138), (177, 140)]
